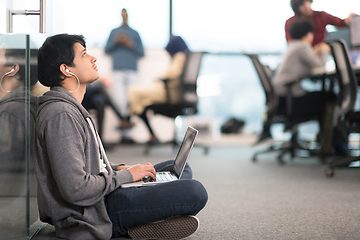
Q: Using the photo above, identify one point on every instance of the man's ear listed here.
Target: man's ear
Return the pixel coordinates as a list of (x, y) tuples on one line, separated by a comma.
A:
[(63, 69)]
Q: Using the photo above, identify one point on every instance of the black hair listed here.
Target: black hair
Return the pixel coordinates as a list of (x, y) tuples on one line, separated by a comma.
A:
[(300, 27), (56, 50), (17, 56), (295, 4), (176, 44)]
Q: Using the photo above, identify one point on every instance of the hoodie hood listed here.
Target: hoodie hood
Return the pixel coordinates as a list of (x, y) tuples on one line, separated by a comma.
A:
[(60, 94)]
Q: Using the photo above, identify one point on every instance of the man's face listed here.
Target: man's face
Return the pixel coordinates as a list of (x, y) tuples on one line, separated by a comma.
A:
[(305, 9), (85, 65)]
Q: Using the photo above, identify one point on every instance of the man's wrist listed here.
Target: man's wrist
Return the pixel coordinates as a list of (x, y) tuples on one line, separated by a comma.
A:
[(120, 167)]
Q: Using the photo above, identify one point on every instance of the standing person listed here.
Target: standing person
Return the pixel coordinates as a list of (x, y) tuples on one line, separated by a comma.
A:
[(302, 8), (125, 47), (78, 188)]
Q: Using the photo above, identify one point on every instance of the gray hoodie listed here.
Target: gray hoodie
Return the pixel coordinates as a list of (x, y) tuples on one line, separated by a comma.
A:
[(71, 187)]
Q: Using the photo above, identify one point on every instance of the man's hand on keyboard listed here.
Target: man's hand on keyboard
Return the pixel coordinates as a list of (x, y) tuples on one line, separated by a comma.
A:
[(148, 179), (140, 171)]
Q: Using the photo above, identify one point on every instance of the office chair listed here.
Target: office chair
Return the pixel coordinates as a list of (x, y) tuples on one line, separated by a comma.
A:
[(189, 99), (276, 114), (348, 120), (272, 101)]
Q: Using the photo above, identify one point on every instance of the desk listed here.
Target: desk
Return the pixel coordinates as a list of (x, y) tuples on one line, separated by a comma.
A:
[(322, 73)]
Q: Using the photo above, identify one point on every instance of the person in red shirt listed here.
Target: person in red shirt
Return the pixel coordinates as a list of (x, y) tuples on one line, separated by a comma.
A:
[(302, 8)]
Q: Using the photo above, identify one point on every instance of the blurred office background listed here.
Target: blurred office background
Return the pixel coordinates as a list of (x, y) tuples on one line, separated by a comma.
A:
[(228, 85)]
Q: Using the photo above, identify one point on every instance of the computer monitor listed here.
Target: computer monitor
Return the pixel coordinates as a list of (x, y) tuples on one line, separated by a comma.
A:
[(340, 33), (355, 32)]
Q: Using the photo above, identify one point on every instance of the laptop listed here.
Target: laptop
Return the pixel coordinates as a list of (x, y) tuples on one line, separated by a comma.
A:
[(178, 167)]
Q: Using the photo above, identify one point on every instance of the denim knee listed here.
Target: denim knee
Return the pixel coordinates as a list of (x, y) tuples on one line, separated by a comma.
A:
[(197, 194)]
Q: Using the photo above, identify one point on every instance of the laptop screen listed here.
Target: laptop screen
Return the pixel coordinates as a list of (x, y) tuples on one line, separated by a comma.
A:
[(184, 150)]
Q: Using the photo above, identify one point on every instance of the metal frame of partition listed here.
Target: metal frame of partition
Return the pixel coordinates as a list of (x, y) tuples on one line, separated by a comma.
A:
[(41, 13)]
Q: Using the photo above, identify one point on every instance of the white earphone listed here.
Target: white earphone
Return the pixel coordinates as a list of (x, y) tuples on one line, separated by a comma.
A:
[(67, 70), (3, 77)]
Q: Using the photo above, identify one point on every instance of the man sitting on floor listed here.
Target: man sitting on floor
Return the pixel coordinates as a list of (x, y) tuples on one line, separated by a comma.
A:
[(78, 188)]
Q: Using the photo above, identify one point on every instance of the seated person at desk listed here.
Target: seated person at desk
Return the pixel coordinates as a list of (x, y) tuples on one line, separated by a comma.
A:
[(298, 62), (141, 96)]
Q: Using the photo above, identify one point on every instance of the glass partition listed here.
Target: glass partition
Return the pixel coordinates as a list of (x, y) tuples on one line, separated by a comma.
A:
[(18, 107)]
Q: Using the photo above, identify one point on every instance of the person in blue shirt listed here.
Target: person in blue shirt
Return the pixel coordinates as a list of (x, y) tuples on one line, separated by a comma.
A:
[(125, 47)]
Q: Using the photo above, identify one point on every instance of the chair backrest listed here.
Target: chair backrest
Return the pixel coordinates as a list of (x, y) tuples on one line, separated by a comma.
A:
[(187, 104), (345, 75), (189, 78), (264, 74)]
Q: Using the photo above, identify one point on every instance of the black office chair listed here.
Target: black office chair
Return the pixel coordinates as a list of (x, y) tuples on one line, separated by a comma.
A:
[(284, 115), (272, 101), (321, 147), (348, 120), (189, 99)]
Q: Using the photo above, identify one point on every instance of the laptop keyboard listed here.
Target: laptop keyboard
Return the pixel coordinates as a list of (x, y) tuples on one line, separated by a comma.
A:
[(161, 176), (165, 177)]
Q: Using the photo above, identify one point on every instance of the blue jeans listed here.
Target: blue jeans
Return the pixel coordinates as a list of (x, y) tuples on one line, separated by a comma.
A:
[(134, 206)]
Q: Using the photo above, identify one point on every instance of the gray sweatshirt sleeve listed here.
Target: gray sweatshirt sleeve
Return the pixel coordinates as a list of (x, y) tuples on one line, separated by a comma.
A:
[(74, 162)]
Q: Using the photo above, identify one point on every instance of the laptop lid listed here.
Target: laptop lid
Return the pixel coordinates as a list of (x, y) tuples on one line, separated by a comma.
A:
[(184, 151)]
